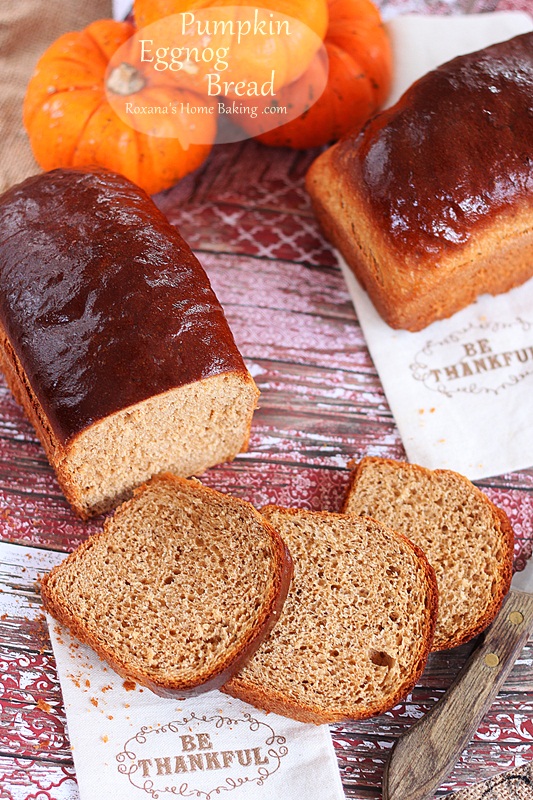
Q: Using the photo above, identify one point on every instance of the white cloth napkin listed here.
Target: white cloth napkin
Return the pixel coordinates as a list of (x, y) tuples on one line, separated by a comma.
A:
[(129, 744), (461, 390), (121, 8)]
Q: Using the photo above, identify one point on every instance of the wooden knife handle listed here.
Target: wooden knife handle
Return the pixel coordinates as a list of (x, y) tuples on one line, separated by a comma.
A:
[(425, 755)]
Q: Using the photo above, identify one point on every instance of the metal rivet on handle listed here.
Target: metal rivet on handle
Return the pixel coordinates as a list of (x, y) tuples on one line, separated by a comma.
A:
[(491, 660), (515, 617)]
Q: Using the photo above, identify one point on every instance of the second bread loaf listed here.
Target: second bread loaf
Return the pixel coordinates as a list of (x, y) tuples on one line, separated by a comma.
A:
[(431, 204)]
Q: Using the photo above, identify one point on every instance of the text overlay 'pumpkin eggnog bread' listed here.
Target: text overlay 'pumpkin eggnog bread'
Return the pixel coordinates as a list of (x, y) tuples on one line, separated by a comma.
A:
[(356, 628), (179, 588), (431, 204), (468, 540), (112, 338)]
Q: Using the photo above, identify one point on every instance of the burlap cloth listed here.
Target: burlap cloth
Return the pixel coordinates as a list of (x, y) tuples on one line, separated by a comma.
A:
[(514, 785), (27, 28)]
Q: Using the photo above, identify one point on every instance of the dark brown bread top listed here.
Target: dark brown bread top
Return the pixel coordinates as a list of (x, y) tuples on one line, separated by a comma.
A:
[(453, 151), (102, 300)]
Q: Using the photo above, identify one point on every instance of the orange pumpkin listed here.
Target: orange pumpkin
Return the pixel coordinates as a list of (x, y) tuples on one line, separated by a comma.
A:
[(252, 56), (71, 123), (359, 74), (314, 13)]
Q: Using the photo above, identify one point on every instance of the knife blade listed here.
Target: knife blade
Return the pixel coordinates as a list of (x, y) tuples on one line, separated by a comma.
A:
[(423, 757)]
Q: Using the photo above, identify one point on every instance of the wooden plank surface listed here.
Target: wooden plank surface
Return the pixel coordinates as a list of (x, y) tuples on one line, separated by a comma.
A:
[(247, 215)]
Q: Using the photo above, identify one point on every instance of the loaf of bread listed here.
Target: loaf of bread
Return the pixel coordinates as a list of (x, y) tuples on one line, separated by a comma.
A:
[(466, 538), (179, 588), (112, 339), (431, 204), (356, 628)]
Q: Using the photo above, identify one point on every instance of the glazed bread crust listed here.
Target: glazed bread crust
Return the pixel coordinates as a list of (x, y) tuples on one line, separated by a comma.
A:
[(466, 538), (357, 625), (112, 339), (178, 590), (431, 204)]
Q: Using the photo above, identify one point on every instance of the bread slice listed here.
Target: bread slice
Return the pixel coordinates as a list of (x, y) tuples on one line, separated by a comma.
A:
[(431, 204), (466, 538), (356, 629), (112, 339), (177, 590)]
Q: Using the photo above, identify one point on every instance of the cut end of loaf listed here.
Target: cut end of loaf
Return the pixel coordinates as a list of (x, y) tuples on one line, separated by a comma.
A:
[(179, 588), (355, 631), (467, 540), (184, 431)]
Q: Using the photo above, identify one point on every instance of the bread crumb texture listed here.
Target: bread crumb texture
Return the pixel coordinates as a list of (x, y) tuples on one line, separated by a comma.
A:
[(467, 540), (174, 588), (185, 431), (354, 633)]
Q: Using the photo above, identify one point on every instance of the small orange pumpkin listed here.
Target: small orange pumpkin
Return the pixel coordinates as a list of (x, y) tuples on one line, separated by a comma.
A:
[(314, 13), (252, 56), (71, 123), (359, 75)]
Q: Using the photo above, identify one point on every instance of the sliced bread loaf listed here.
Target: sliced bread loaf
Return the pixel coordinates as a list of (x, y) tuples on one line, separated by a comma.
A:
[(112, 339), (177, 590), (356, 629), (467, 539)]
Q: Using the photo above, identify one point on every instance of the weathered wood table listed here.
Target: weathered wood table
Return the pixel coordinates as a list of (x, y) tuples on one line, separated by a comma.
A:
[(248, 217)]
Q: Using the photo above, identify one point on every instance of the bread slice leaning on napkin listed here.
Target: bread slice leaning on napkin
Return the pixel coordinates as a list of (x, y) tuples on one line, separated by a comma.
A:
[(466, 538), (356, 628), (177, 590)]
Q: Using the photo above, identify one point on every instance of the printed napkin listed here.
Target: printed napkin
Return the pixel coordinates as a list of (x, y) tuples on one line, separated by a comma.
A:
[(460, 390), (129, 744)]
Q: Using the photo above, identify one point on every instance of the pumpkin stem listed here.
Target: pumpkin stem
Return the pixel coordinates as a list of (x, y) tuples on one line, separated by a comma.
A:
[(125, 79)]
